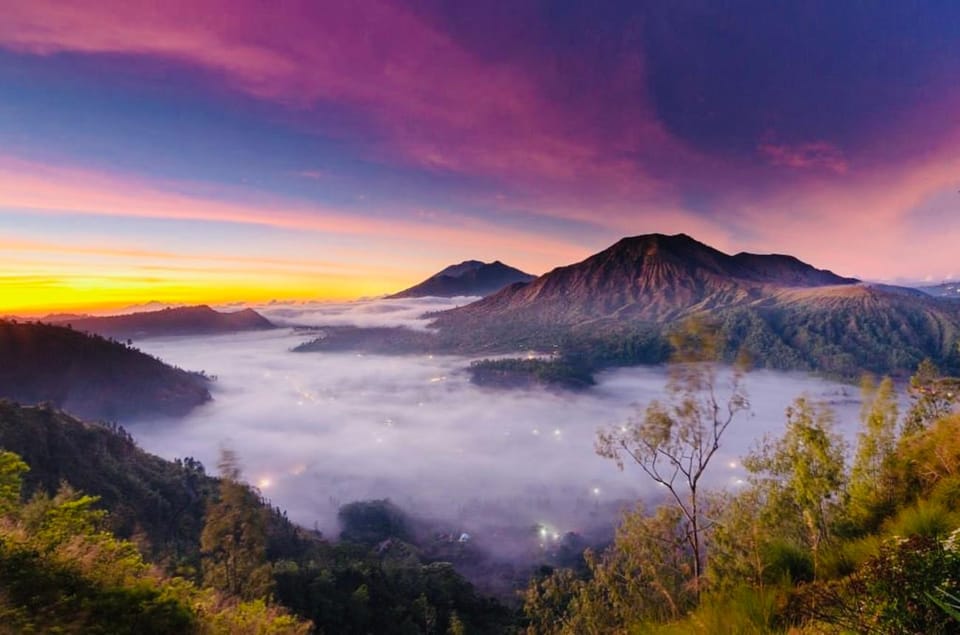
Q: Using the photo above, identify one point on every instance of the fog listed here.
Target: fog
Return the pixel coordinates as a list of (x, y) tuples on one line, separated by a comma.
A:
[(316, 430), (366, 313)]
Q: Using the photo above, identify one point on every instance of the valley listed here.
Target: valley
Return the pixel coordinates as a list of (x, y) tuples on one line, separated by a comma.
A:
[(321, 430)]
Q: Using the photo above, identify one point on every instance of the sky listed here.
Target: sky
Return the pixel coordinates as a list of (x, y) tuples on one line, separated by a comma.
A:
[(242, 150)]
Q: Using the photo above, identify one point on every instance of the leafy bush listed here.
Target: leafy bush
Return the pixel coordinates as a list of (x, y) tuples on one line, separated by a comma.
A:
[(890, 592), (61, 572), (925, 519)]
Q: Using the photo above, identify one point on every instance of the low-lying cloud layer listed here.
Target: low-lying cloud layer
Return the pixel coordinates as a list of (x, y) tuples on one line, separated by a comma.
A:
[(367, 313), (317, 430)]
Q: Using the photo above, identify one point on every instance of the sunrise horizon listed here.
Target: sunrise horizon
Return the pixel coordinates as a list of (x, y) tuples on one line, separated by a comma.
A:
[(228, 152), (103, 296), (421, 317)]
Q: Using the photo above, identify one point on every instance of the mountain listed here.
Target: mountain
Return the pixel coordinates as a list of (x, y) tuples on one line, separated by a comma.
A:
[(192, 320), (616, 306), (652, 278), (469, 278), (944, 290), (90, 375)]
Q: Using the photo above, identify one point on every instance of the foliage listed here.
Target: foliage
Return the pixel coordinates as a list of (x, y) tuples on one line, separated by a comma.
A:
[(932, 397), (159, 501), (342, 588), (371, 522), (925, 518), (740, 542), (234, 538), (12, 469), (511, 372), (793, 551), (890, 592), (645, 576), (928, 463), (869, 493), (947, 601), (360, 591), (60, 571), (673, 442), (801, 475), (844, 337)]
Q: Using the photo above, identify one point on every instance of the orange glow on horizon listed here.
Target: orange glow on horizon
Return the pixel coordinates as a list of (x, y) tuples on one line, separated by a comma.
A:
[(39, 277), (36, 296)]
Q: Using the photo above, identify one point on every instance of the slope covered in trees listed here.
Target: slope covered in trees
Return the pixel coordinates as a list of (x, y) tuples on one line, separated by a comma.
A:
[(61, 572), (220, 534), (91, 376), (808, 544)]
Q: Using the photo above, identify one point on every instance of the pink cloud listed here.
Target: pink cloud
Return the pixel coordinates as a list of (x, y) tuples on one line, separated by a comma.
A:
[(429, 101), (426, 100), (873, 224), (806, 156), (46, 189)]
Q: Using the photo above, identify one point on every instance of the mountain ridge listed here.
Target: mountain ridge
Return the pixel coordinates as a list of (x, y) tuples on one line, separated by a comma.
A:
[(617, 307), (190, 320), (651, 277), (91, 376), (468, 278)]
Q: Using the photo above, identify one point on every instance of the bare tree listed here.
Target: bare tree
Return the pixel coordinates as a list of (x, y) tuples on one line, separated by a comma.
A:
[(674, 440)]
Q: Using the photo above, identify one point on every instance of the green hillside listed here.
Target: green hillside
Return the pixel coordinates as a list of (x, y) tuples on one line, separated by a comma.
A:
[(165, 508)]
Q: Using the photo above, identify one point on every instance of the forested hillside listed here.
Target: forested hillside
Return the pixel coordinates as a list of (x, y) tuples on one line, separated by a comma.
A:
[(374, 580), (91, 376), (811, 541)]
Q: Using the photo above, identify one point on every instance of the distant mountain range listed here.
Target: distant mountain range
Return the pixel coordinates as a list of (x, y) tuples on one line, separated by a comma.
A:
[(652, 278), (617, 307), (469, 278), (192, 320), (944, 290), (91, 376)]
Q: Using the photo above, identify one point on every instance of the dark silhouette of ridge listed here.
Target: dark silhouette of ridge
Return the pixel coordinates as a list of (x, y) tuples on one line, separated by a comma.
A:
[(191, 320), (91, 376), (469, 278)]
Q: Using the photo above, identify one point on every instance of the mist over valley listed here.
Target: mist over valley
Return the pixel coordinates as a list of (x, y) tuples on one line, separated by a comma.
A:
[(316, 431)]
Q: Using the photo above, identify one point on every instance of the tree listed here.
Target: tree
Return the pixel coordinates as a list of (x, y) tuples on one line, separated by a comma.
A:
[(739, 541), (12, 469), (875, 447), (642, 577), (933, 397), (802, 473), (674, 441), (234, 538), (456, 626)]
